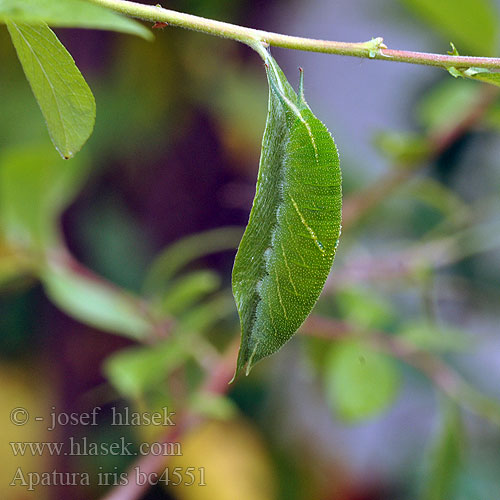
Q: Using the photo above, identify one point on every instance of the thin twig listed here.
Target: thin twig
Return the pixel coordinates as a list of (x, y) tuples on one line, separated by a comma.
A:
[(373, 49)]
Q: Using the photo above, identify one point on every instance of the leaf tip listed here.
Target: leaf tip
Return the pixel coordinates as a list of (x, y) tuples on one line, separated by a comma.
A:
[(64, 154)]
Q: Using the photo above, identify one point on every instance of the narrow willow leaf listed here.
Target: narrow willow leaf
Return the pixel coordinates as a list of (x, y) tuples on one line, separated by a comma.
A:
[(64, 97), (289, 244), (185, 291), (136, 370), (93, 303), (69, 14), (176, 256)]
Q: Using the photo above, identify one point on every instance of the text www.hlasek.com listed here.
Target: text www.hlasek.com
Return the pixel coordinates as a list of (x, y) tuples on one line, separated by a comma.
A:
[(84, 447)]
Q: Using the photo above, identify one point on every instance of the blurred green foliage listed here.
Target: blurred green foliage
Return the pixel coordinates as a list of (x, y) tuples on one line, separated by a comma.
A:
[(359, 383), (473, 25), (120, 238)]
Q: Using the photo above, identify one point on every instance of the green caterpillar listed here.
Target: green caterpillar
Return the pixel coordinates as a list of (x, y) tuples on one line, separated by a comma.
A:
[(289, 244)]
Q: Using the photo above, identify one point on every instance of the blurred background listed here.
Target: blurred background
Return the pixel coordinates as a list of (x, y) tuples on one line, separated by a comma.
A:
[(104, 256)]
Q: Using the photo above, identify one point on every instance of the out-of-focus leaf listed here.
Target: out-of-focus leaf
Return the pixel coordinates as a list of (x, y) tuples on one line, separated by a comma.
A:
[(446, 104), (473, 24), (215, 406), (112, 238), (234, 461), (93, 302), (428, 336), (492, 118), (35, 186), (359, 382), (364, 308), (137, 370), (482, 237), (64, 97), (187, 290), (133, 371), (446, 457), (180, 253), (204, 316), (402, 148), (69, 14), (293, 230), (438, 196)]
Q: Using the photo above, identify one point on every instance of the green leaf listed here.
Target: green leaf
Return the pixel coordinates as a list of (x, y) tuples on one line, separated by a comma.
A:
[(483, 75), (438, 196), (447, 456), (213, 406), (180, 253), (35, 187), (289, 244), (203, 317), (93, 302), (402, 148), (69, 14), (135, 370), (187, 290), (430, 337), (446, 105), (359, 382), (473, 24), (454, 72), (365, 308), (62, 93)]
